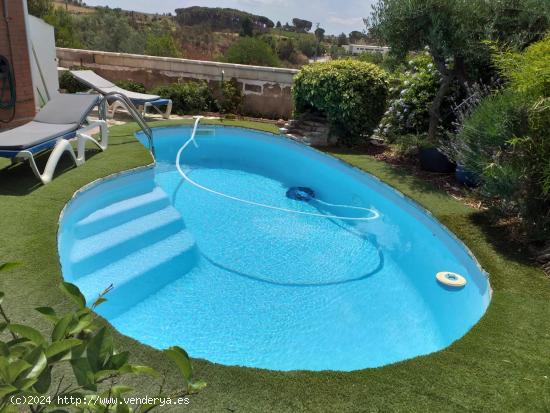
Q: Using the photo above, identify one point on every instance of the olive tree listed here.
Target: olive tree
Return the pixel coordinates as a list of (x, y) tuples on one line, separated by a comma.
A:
[(455, 32)]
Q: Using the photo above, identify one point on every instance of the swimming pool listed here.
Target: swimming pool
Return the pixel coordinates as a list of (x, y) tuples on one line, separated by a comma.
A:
[(265, 253)]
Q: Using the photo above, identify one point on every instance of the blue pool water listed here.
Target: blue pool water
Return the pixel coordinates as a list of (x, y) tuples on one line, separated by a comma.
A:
[(288, 287)]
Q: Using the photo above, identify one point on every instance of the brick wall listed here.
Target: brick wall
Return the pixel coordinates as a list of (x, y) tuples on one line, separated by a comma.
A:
[(19, 58)]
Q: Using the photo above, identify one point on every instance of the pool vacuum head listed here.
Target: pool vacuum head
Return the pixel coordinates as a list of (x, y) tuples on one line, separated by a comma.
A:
[(300, 193)]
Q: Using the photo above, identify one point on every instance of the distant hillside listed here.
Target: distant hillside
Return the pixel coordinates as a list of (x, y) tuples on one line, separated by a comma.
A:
[(202, 33), (217, 18)]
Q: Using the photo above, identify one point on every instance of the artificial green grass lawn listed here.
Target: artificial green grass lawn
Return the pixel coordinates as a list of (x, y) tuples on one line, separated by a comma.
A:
[(502, 364)]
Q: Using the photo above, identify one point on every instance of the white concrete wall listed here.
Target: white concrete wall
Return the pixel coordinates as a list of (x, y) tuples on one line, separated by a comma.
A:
[(267, 89)]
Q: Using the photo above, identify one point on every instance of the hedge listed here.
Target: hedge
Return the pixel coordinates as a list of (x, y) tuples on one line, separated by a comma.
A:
[(351, 94)]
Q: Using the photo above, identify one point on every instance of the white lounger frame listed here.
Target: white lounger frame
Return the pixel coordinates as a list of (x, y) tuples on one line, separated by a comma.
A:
[(143, 109), (64, 145)]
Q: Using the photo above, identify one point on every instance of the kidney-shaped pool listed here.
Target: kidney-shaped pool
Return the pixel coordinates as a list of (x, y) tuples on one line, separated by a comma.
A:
[(258, 251)]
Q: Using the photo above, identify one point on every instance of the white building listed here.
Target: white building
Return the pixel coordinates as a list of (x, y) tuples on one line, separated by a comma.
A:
[(356, 49)]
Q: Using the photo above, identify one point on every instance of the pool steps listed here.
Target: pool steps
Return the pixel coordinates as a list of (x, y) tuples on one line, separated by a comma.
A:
[(142, 273), (96, 251), (121, 211), (128, 240)]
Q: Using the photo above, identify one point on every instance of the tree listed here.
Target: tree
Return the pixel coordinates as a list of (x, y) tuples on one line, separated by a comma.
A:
[(247, 28), (454, 32), (217, 18), (111, 31), (278, 25), (39, 8), (301, 25), (251, 51), (64, 28), (342, 39), (161, 45), (319, 33), (320, 36), (307, 45), (286, 48), (356, 36)]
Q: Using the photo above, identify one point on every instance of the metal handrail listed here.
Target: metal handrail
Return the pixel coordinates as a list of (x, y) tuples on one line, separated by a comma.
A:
[(132, 110)]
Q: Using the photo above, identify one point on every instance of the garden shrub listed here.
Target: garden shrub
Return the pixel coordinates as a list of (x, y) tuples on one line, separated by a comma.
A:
[(252, 51), (68, 83), (351, 94), (376, 58), (76, 359), (412, 92), (506, 141), (188, 98), (161, 45), (231, 98), (131, 86), (527, 72)]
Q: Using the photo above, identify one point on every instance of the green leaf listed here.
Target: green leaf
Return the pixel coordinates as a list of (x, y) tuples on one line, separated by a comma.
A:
[(119, 389), (99, 349), (116, 361), (84, 322), (38, 360), (122, 407), (61, 346), (102, 374), (4, 349), (74, 293), (100, 300), (27, 332), (15, 368), (196, 386), (2, 295), (4, 369), (180, 357), (84, 374), (8, 266), (26, 384), (44, 381), (49, 313), (60, 329), (20, 347), (6, 390)]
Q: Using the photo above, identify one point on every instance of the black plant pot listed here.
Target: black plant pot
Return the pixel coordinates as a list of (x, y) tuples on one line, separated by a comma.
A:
[(434, 161), (465, 177)]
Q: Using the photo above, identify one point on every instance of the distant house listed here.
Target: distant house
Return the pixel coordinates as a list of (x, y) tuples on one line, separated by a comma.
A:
[(356, 49)]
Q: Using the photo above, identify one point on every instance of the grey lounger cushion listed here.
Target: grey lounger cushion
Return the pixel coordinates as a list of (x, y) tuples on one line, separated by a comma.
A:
[(32, 134), (67, 108), (61, 116), (103, 86)]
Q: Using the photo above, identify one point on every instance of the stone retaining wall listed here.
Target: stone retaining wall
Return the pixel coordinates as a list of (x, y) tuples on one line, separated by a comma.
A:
[(267, 90)]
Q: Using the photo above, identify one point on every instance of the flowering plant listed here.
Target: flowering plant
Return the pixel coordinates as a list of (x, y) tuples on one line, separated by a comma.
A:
[(412, 91)]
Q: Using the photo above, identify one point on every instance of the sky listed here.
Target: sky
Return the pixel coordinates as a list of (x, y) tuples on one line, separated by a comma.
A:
[(335, 16)]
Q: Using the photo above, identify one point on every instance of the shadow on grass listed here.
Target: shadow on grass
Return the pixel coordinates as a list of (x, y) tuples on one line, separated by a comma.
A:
[(499, 236), (390, 172), (19, 180)]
